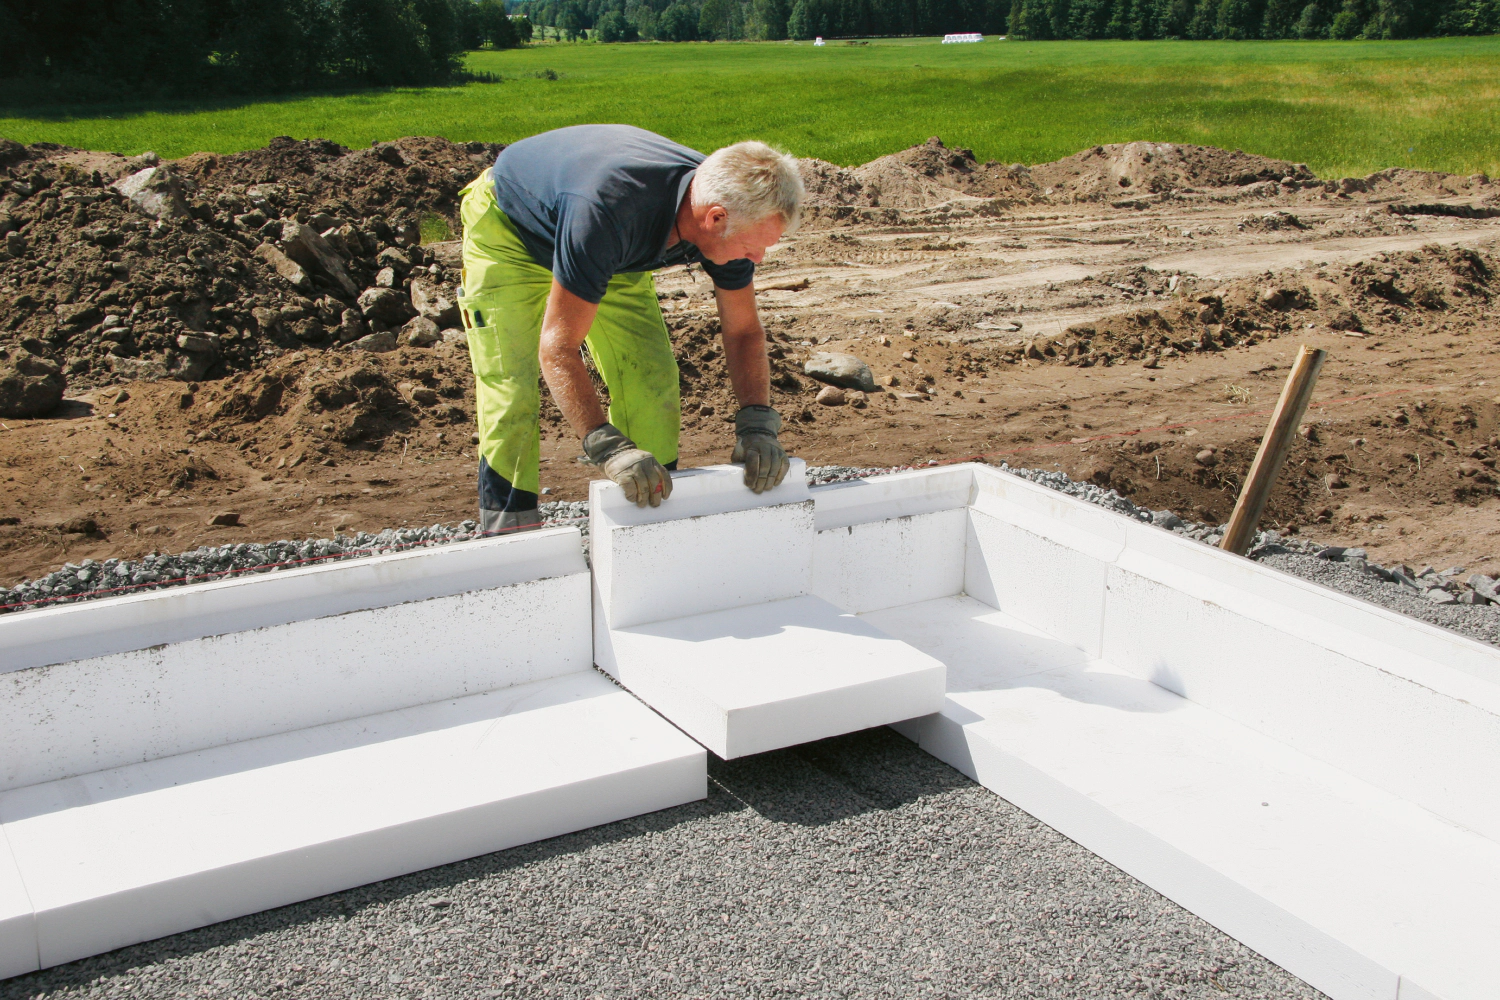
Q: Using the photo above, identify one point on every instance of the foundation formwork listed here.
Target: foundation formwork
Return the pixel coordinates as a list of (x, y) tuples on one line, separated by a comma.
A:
[(1311, 774)]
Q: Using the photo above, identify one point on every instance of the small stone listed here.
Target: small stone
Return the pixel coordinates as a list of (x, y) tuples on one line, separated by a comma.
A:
[(424, 396), (198, 343), (80, 526), (1473, 597), (386, 278), (1334, 481), (844, 371), (429, 301), (1334, 553), (30, 386), (858, 400), (352, 326), (376, 343), (1438, 595), (914, 396), (706, 410), (226, 519), (1206, 457), (385, 305), (890, 380), (1272, 298), (290, 271), (420, 332), (831, 396), (1167, 519)]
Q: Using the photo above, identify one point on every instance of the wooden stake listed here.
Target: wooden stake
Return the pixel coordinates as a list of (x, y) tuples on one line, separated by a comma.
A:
[(1240, 531)]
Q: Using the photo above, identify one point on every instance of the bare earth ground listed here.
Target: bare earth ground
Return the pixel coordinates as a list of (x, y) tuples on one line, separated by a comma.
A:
[(1133, 334)]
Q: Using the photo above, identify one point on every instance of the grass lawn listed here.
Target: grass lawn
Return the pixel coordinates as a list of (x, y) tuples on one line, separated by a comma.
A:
[(1343, 107)]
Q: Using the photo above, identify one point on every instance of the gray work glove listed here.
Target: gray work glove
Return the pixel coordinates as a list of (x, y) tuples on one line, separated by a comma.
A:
[(755, 430), (643, 478)]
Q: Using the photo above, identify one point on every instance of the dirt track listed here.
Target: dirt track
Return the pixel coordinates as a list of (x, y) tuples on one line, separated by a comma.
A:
[(1130, 334)]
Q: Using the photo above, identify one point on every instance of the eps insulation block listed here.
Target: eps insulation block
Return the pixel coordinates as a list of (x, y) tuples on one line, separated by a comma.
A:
[(704, 609), (125, 855)]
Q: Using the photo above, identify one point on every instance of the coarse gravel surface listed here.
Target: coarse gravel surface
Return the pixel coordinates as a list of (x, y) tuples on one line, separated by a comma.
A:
[(854, 867)]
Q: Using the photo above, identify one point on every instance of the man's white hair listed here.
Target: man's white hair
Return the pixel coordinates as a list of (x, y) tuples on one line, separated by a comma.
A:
[(751, 181)]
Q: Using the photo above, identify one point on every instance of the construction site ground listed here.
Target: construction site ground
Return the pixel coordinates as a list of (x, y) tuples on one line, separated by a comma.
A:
[(1127, 315)]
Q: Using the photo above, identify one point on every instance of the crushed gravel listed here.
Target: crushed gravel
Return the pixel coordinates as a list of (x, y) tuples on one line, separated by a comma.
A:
[(1446, 598), (855, 867)]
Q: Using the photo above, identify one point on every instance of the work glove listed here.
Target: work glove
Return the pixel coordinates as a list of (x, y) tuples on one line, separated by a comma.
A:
[(755, 430), (639, 474)]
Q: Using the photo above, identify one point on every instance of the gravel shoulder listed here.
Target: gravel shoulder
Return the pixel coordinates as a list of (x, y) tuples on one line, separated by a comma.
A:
[(855, 867)]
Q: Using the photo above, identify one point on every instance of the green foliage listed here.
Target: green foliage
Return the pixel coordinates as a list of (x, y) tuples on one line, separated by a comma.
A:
[(1345, 108), (243, 46), (1246, 19), (435, 229)]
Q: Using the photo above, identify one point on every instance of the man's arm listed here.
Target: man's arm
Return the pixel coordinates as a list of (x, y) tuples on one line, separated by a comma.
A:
[(756, 424), (565, 325), (744, 346)]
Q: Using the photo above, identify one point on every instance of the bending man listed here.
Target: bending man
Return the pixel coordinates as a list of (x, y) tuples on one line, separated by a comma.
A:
[(560, 238)]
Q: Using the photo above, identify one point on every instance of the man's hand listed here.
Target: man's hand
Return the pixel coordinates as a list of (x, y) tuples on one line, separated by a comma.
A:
[(639, 474), (755, 430)]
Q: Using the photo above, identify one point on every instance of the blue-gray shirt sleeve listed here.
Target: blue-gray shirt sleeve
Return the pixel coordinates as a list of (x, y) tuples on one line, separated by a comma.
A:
[(587, 250)]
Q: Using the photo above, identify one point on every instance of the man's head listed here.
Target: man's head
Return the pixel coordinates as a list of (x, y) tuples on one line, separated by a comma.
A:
[(744, 198)]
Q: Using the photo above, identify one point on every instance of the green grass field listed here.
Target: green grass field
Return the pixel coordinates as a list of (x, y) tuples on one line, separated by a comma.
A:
[(1343, 107)]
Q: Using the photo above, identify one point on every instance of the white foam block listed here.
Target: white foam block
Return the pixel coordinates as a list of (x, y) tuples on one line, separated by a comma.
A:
[(1360, 893), (128, 707), (134, 853), (849, 561), (771, 675), (17, 922)]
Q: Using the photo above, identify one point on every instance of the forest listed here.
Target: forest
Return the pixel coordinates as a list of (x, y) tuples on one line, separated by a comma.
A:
[(132, 49), (1038, 20)]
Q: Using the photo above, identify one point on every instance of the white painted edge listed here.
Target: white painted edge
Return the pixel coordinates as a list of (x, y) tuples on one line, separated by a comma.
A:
[(712, 489), (138, 621)]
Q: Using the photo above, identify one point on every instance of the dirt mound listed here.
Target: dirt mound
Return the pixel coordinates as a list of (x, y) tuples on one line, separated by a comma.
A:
[(1107, 173), (915, 179), (1358, 299), (120, 269)]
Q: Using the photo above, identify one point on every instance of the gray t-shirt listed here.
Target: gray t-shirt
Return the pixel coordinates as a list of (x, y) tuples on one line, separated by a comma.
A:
[(593, 201)]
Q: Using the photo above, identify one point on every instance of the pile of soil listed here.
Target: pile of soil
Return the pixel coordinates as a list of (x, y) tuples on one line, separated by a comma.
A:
[(112, 293), (1126, 175)]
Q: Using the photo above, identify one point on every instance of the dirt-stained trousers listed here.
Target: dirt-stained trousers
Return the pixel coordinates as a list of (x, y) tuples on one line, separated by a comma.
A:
[(503, 301)]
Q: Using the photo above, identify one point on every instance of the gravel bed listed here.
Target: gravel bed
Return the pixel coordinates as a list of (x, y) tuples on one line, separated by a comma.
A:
[(1467, 605), (858, 867)]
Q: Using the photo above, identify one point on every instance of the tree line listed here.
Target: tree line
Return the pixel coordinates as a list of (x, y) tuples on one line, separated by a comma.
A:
[(245, 46), (130, 48), (729, 20)]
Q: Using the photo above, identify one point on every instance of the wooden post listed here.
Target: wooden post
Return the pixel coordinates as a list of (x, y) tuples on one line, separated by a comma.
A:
[(1240, 531)]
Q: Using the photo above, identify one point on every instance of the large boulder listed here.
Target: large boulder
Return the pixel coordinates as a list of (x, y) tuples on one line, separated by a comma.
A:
[(428, 299), (385, 305), (30, 386), (843, 370), (156, 191), (307, 247)]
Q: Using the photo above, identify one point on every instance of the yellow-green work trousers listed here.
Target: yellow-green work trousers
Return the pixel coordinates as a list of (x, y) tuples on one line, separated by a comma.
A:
[(503, 301)]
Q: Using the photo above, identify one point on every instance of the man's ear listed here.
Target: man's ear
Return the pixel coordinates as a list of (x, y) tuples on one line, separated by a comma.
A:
[(717, 219)]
